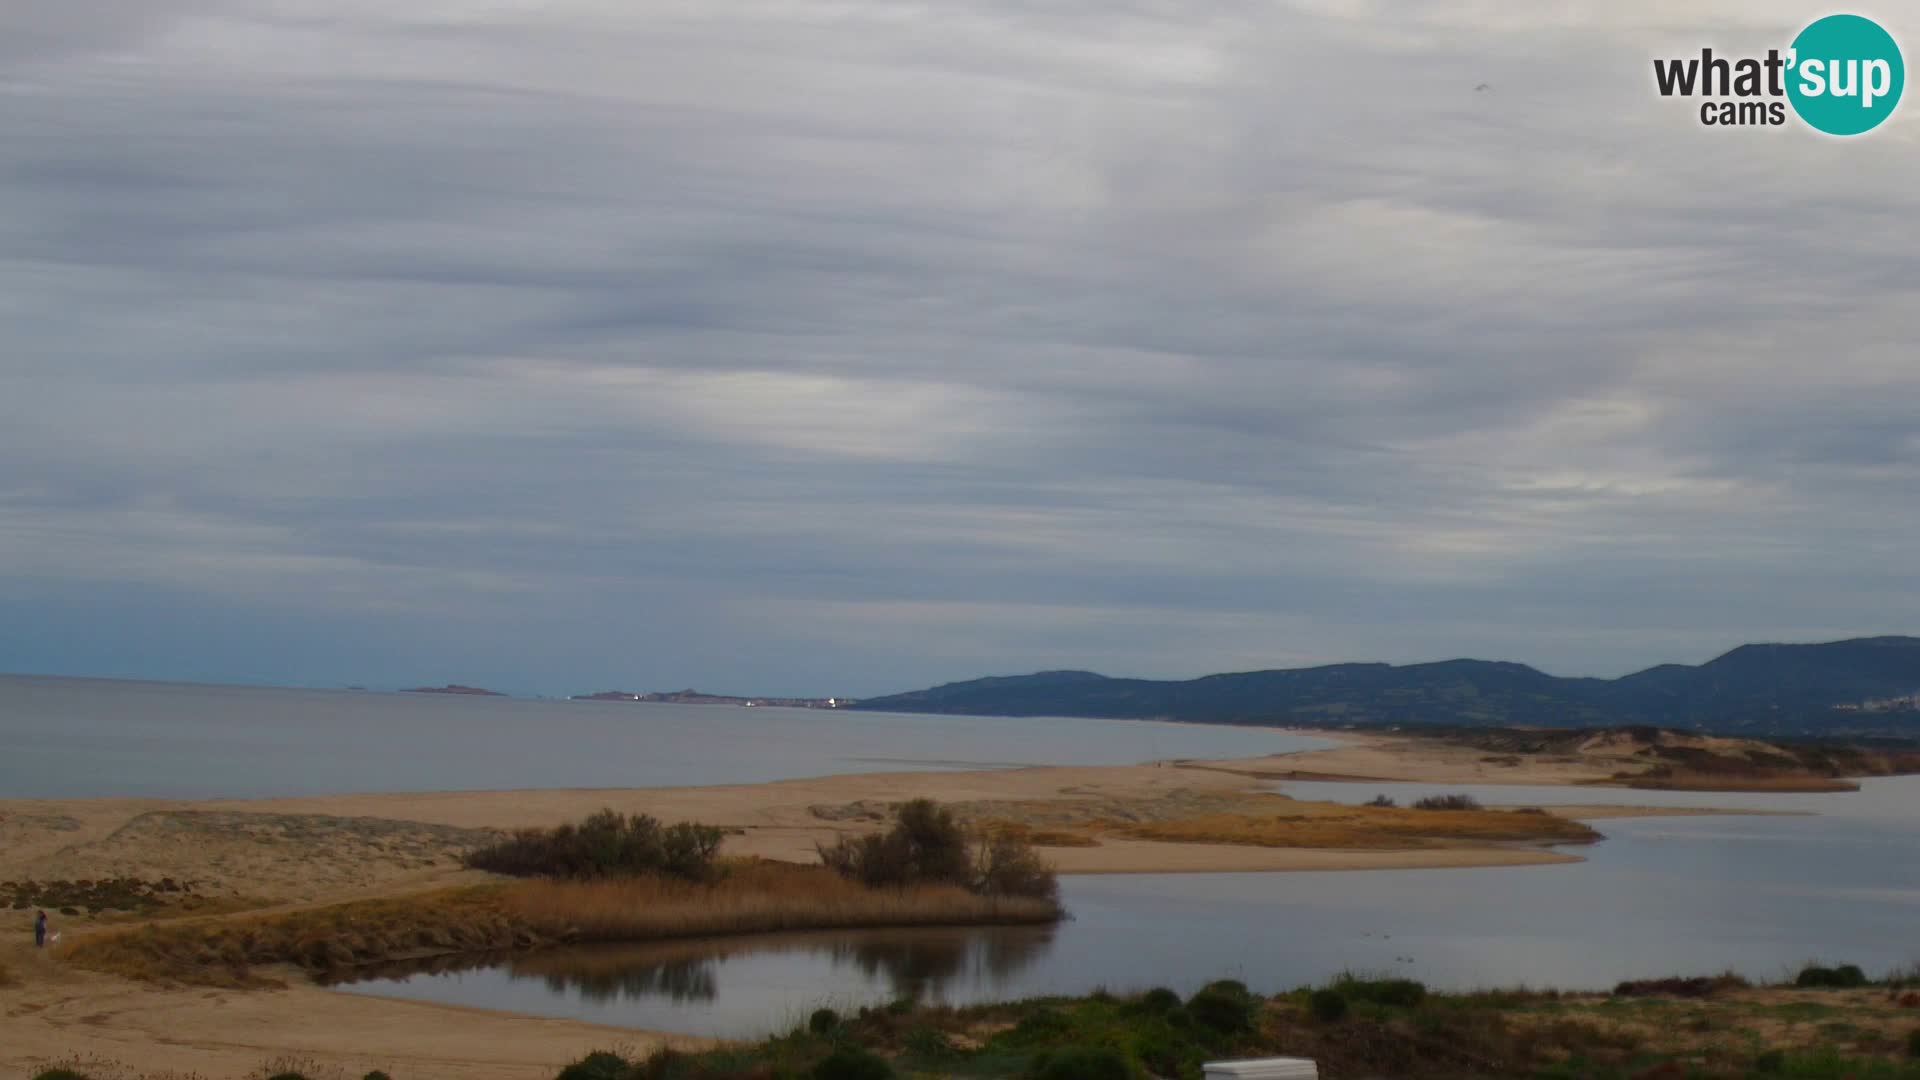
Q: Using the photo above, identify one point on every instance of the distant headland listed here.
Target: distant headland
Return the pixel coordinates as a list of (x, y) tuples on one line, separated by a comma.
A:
[(696, 697), (454, 688)]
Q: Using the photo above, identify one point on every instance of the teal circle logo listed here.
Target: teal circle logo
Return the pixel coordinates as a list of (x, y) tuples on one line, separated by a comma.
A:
[(1845, 74)]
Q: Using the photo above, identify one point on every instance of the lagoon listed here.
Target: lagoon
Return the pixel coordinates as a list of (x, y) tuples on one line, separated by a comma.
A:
[(1761, 895)]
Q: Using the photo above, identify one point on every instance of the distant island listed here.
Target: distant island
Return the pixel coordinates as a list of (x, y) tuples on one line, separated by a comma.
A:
[(454, 688), (695, 697), (1863, 687)]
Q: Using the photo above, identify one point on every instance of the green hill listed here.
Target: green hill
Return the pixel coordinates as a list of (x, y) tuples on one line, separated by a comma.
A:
[(1861, 686)]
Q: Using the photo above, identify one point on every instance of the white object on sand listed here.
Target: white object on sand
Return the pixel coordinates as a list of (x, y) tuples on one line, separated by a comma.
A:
[(1280, 1068)]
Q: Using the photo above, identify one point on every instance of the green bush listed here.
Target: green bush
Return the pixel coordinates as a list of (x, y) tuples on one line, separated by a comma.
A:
[(1327, 1006), (599, 1065), (1393, 993), (852, 1063), (1007, 866), (1772, 1061), (1160, 1000), (1082, 1063), (287, 1076), (1383, 801), (926, 1042), (687, 850), (376, 1075), (607, 844), (665, 1063), (1225, 1007), (60, 1074), (1844, 977), (1040, 1026), (1913, 1044), (928, 846), (823, 1021), (1165, 1052)]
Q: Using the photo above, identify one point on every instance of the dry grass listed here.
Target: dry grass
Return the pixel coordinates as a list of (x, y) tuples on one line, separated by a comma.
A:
[(1692, 780), (757, 897), (753, 897), (97, 1068), (1326, 825), (6, 977), (1260, 819), (1027, 834)]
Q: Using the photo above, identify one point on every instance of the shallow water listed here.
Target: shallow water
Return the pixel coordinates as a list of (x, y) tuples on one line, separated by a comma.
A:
[(1678, 895), (73, 738)]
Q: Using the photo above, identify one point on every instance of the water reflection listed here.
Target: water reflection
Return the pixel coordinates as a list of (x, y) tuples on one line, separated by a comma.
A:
[(727, 986)]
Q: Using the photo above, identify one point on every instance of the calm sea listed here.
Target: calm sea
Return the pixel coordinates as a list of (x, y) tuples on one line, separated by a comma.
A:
[(72, 738)]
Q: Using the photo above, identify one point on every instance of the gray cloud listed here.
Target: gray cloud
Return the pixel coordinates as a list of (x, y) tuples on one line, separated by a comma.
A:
[(843, 348)]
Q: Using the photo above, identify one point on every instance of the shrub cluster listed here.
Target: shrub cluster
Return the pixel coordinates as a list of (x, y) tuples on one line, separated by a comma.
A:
[(607, 844), (1698, 986), (927, 845), (1225, 1007), (1327, 1005), (1390, 993), (1844, 977), (1447, 802), (1081, 1063)]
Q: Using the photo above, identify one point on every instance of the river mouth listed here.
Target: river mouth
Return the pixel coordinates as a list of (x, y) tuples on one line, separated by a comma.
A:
[(1760, 895)]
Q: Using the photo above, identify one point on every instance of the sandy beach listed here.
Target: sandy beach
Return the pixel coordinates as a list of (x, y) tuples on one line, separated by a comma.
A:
[(280, 853)]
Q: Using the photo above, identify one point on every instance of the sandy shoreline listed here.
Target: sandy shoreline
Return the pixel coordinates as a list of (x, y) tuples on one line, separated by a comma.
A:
[(321, 850), (251, 846)]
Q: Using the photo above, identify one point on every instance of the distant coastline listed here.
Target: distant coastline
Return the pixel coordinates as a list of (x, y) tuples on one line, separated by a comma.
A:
[(454, 688), (696, 697)]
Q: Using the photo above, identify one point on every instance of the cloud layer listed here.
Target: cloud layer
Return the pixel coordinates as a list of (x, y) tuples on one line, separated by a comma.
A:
[(843, 347)]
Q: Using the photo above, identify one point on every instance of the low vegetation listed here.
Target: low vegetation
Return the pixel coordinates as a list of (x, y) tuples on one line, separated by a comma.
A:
[(744, 897), (1660, 759), (278, 1069), (1285, 823), (607, 844), (1447, 802), (70, 898), (1845, 977), (1353, 1027), (928, 846)]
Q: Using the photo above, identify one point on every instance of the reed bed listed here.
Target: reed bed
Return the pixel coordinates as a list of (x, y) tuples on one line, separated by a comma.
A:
[(756, 898), (751, 897), (1689, 780), (1362, 827)]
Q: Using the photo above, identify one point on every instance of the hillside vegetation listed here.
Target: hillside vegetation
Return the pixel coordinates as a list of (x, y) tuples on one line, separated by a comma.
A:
[(1859, 687)]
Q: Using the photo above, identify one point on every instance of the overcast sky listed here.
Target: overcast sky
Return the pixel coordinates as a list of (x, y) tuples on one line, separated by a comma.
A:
[(847, 347)]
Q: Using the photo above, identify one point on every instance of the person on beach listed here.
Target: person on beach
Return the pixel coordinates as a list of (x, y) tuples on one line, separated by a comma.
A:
[(40, 931)]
